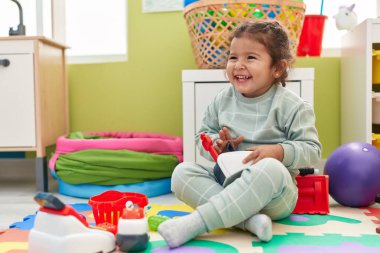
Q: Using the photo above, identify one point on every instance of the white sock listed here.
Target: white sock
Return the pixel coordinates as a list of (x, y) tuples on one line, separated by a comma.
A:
[(260, 225), (178, 231)]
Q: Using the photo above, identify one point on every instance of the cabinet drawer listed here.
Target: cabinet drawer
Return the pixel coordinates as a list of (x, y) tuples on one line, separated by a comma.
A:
[(16, 47), (17, 102)]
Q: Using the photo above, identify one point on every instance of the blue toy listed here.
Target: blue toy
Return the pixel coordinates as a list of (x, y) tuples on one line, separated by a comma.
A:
[(354, 174)]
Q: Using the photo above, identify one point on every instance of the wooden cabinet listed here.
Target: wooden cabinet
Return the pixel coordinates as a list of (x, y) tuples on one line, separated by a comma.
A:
[(356, 81), (33, 97), (200, 87)]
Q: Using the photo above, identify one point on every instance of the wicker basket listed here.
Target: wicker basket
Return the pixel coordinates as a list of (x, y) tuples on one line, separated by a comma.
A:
[(210, 23)]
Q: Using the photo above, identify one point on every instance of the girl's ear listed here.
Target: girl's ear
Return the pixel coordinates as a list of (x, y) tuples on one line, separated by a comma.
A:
[(281, 67)]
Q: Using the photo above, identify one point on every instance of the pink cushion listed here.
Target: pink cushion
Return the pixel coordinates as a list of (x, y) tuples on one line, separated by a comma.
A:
[(155, 143)]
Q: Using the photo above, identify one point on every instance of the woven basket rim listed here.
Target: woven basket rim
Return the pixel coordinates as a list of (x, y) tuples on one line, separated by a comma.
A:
[(201, 3)]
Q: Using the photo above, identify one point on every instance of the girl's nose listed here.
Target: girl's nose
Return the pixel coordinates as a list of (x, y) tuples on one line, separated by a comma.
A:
[(239, 65)]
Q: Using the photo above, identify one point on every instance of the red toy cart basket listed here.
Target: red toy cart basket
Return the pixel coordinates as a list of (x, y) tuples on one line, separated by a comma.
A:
[(108, 206)]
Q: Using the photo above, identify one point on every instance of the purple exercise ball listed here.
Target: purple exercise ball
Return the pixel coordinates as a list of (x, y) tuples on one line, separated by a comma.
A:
[(354, 174)]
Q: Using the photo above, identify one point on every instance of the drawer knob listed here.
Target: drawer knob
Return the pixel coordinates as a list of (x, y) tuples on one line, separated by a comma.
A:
[(5, 62)]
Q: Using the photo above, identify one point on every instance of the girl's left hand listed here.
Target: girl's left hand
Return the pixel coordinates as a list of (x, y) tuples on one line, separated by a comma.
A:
[(264, 151), (224, 138)]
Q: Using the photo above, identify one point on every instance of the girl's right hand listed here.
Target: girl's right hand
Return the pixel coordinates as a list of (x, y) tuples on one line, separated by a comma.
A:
[(224, 138)]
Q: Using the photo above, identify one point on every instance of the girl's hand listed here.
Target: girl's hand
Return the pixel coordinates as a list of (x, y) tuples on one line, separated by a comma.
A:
[(265, 151), (224, 138)]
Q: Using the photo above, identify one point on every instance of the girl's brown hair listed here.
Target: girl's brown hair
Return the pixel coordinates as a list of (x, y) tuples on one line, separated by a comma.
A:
[(275, 39)]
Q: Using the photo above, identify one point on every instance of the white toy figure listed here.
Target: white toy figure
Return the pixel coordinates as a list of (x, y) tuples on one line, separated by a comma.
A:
[(346, 18), (58, 228), (132, 229)]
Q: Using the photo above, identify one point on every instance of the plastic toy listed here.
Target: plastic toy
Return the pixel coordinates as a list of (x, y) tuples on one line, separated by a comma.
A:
[(109, 206), (346, 18), (377, 200), (132, 229), (354, 174), (229, 164), (155, 221), (208, 146), (313, 195), (58, 228)]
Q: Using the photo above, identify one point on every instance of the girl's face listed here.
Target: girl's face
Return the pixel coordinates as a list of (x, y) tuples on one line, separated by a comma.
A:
[(249, 67)]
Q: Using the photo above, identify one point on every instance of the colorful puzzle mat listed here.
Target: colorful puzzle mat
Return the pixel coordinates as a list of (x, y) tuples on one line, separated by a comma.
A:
[(344, 230)]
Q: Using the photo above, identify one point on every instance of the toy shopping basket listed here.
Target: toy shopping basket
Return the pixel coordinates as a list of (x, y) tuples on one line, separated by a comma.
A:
[(108, 206), (211, 22)]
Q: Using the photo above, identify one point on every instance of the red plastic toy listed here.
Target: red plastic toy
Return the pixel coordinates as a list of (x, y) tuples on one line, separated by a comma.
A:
[(377, 213), (207, 145), (313, 195), (108, 206)]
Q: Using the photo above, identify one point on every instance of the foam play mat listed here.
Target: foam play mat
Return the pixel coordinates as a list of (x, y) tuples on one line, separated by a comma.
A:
[(343, 230)]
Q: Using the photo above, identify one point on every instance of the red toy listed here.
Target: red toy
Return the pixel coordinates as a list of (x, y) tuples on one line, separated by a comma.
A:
[(207, 145), (108, 206), (377, 200), (313, 194)]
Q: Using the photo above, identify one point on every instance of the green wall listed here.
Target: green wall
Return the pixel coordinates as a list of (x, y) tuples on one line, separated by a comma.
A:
[(326, 99), (145, 93)]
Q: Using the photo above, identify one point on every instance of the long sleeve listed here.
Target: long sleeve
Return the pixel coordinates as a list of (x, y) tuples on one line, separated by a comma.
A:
[(210, 126), (302, 147)]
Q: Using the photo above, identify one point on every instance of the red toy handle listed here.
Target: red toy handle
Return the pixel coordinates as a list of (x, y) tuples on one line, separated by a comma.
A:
[(207, 145)]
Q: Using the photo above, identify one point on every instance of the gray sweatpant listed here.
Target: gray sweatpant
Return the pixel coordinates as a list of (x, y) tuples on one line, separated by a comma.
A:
[(265, 187)]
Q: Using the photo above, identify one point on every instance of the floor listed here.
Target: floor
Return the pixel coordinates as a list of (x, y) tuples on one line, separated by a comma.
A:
[(17, 189), (343, 228)]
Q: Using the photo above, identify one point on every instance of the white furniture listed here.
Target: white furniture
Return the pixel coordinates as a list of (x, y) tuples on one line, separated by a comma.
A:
[(33, 97), (201, 86), (356, 81)]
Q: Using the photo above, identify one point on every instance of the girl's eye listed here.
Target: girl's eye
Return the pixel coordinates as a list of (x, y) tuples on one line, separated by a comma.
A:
[(232, 58), (251, 57)]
